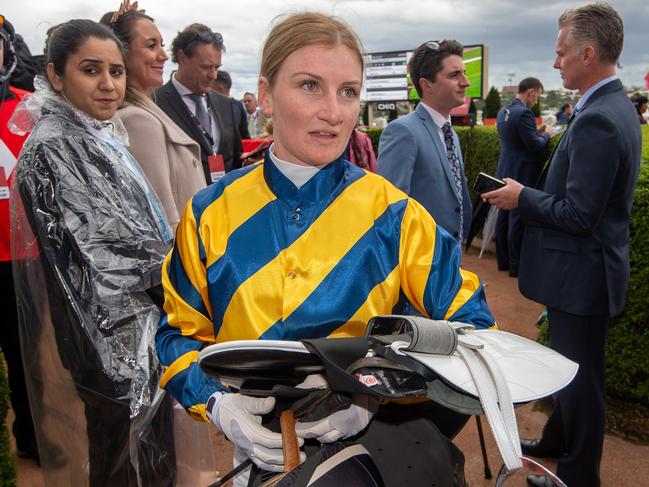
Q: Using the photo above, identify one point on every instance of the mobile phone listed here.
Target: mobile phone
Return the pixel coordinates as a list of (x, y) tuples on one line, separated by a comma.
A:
[(485, 183)]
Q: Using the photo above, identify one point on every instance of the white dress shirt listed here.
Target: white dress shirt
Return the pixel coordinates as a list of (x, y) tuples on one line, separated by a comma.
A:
[(184, 93), (438, 119)]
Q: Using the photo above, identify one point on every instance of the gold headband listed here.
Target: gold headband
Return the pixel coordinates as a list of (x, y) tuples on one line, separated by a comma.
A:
[(124, 7)]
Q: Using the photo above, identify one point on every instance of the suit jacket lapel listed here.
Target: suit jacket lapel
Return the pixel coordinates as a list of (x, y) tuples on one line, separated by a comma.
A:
[(183, 118), (540, 182), (437, 143), (607, 88)]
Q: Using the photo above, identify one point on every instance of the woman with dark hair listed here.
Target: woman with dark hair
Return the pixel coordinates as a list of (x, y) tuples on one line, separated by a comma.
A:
[(87, 302), (564, 114), (170, 158), (640, 103)]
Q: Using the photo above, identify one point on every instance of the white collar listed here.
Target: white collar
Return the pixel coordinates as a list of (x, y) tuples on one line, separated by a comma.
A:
[(438, 119), (298, 175), (180, 88), (584, 98)]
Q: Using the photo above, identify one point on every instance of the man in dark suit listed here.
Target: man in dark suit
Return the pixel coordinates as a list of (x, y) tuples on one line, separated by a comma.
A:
[(564, 114), (575, 255), (223, 84), (420, 153), (188, 99), (521, 148)]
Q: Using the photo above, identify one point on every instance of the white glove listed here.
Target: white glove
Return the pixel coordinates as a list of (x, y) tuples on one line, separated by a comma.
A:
[(340, 424), (239, 418), (313, 381)]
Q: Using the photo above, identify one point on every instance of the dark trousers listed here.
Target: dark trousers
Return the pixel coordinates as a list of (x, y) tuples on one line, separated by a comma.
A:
[(108, 427), (509, 239), (23, 427), (576, 424)]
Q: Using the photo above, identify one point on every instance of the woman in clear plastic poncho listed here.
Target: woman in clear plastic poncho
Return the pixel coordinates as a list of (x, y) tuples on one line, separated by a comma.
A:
[(88, 239)]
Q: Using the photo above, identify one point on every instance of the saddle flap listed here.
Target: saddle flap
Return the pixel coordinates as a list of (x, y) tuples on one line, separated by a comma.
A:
[(531, 370)]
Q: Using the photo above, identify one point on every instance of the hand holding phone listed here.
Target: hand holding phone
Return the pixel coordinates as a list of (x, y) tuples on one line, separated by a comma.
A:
[(485, 183)]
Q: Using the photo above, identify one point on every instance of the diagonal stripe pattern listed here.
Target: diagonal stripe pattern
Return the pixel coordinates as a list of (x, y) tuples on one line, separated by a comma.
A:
[(245, 267)]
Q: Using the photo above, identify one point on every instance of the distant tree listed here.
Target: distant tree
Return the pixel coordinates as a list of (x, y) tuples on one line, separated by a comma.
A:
[(492, 103), (472, 107)]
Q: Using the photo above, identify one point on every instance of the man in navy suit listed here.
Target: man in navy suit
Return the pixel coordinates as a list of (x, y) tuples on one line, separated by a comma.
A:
[(189, 100), (575, 255), (420, 153), (223, 84), (521, 148)]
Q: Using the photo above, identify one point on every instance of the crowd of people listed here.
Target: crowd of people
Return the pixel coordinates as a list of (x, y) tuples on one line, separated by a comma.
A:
[(139, 236)]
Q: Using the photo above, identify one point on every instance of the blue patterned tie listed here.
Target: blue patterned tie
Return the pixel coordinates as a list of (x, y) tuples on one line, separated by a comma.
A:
[(454, 161)]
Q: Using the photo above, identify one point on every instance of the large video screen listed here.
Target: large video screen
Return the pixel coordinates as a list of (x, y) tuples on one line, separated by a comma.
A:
[(387, 78)]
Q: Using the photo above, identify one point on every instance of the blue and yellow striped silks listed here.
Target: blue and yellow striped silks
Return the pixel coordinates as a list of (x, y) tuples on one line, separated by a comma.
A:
[(257, 258)]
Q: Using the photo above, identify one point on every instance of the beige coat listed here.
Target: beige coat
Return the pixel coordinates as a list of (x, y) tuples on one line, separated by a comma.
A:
[(169, 158)]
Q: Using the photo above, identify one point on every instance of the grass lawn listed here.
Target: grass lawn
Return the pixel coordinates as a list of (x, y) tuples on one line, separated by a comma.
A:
[(473, 70)]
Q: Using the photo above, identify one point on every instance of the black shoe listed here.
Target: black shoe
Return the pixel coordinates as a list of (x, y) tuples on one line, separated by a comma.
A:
[(535, 449), (27, 451), (55, 456), (540, 481)]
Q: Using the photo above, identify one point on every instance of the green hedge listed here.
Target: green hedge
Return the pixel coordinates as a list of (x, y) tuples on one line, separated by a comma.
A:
[(627, 356), (375, 135), (627, 353), (7, 465)]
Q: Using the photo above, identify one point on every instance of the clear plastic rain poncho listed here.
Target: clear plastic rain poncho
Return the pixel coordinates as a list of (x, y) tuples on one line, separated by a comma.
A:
[(88, 241)]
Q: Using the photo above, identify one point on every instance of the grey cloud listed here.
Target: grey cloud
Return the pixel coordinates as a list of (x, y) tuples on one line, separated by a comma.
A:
[(520, 34)]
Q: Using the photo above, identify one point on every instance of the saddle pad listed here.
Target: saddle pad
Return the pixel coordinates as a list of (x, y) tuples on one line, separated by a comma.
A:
[(531, 370)]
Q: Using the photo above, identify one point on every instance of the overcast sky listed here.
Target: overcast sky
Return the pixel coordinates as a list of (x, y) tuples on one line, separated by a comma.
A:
[(520, 34)]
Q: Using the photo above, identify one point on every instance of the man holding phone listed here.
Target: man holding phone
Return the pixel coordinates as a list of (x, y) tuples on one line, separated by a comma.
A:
[(521, 149), (575, 254), (420, 153)]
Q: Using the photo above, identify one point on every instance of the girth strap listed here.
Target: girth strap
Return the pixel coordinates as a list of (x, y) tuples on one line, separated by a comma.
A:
[(418, 334)]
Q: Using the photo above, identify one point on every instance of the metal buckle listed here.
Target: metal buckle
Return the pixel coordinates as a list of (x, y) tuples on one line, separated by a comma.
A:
[(532, 467)]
